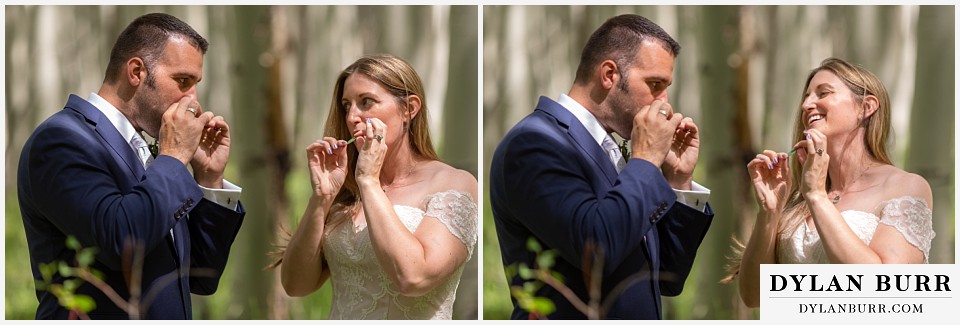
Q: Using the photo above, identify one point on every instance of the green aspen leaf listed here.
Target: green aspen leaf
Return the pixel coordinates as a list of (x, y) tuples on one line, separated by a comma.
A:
[(71, 285), (543, 305), (96, 274), (86, 256), (558, 276), (546, 259), (525, 272), (533, 245), (531, 287), (73, 243), (84, 303), (65, 269), (47, 270)]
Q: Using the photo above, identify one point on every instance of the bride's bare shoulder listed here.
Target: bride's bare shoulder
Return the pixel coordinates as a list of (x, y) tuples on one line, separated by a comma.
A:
[(444, 177), (900, 183)]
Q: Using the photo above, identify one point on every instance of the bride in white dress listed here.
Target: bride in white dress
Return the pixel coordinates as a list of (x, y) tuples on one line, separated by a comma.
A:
[(388, 223), (839, 199)]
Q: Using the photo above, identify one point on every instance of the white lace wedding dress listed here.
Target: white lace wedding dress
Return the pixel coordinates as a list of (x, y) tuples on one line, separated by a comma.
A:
[(908, 215), (361, 289)]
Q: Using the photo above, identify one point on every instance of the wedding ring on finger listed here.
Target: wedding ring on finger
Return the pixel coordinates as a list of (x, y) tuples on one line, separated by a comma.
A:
[(663, 112), (192, 110), (819, 151), (378, 137)]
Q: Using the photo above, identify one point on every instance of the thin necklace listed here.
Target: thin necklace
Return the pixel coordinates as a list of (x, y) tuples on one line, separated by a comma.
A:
[(396, 183), (836, 199)]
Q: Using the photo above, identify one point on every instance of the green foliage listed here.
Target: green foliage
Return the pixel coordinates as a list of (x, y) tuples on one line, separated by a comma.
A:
[(534, 305), (538, 307), (65, 291)]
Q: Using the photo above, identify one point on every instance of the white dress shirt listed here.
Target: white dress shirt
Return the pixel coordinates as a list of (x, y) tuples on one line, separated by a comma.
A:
[(227, 197), (697, 195)]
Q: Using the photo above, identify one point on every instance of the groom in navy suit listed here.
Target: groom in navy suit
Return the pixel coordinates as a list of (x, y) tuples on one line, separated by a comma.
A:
[(87, 172), (559, 178)]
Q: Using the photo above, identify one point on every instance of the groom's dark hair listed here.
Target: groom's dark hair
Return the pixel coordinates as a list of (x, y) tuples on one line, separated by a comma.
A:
[(146, 37), (618, 39)]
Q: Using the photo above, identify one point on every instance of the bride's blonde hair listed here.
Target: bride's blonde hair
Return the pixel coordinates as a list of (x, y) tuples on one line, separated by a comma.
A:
[(401, 81), (861, 83)]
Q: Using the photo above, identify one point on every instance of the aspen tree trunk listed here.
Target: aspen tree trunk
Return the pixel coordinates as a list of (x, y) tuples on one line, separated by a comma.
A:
[(931, 146), (252, 154), (721, 147), (460, 129)]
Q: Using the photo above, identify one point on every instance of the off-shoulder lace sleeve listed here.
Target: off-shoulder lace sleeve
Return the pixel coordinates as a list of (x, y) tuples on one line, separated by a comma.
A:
[(458, 212), (913, 218)]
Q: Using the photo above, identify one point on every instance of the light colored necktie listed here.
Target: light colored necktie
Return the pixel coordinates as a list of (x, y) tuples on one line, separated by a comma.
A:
[(613, 151), (143, 151)]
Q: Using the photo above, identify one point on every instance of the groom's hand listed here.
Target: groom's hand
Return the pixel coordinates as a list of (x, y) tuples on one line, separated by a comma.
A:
[(210, 158), (682, 158), (180, 129), (653, 129)]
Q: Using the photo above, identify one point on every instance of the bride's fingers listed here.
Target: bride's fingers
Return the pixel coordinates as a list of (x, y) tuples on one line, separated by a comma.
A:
[(784, 163), (810, 146), (368, 132), (772, 156)]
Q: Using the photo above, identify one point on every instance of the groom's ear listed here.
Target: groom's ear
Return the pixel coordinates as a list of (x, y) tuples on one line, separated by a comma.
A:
[(135, 72), (608, 74)]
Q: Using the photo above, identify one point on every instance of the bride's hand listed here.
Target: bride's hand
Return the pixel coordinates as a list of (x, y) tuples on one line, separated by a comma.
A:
[(770, 174), (373, 149), (813, 179), (327, 160)]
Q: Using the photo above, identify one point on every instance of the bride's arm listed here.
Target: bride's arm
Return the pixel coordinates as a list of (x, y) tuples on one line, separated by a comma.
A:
[(887, 246), (415, 262), (302, 271)]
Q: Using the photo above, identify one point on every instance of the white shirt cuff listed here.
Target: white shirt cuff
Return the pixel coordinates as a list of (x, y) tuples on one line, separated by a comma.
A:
[(697, 195), (227, 197)]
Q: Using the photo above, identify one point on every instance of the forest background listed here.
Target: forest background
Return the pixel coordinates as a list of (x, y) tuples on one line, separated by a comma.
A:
[(739, 75), (270, 72)]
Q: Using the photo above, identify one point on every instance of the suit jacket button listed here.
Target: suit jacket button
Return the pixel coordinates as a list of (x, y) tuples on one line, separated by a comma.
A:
[(189, 202), (653, 218)]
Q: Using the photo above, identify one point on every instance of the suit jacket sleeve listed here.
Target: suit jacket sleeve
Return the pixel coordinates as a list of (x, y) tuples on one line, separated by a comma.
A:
[(547, 187), (681, 233), (77, 186), (213, 229)]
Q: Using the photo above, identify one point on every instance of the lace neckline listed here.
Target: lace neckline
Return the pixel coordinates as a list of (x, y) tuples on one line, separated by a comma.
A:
[(361, 228), (847, 212), (885, 202)]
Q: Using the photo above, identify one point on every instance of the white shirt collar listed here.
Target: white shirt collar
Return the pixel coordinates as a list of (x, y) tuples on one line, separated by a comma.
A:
[(584, 116), (119, 121)]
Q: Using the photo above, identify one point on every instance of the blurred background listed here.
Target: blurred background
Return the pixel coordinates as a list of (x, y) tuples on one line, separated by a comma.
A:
[(739, 75), (270, 71)]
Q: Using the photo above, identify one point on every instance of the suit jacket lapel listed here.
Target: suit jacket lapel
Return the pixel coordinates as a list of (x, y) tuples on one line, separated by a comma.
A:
[(580, 136), (109, 134)]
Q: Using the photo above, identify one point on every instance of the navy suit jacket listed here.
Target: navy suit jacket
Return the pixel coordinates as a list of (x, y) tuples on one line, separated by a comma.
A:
[(551, 181), (78, 177)]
